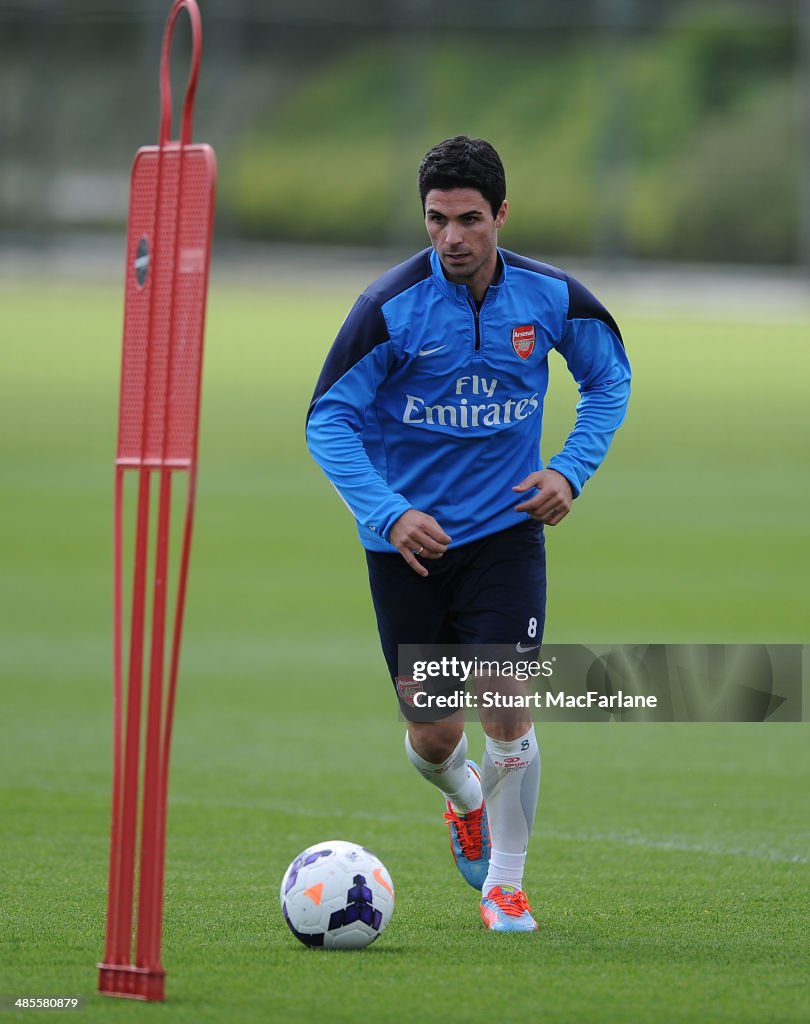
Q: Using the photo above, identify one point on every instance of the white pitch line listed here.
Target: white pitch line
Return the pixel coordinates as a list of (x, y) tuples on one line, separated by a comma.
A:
[(677, 844)]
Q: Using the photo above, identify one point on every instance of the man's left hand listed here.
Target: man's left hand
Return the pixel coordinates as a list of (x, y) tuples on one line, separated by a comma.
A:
[(552, 502)]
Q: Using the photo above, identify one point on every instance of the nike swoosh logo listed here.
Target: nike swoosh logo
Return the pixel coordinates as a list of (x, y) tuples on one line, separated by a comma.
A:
[(522, 648), (430, 351)]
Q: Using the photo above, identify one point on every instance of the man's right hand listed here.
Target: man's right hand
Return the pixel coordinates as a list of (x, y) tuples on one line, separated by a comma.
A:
[(417, 535)]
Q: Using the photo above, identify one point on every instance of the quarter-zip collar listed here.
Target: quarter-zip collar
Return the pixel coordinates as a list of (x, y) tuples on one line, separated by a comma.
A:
[(460, 293)]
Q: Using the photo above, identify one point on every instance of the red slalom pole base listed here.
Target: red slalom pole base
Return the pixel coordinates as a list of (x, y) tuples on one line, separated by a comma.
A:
[(129, 982)]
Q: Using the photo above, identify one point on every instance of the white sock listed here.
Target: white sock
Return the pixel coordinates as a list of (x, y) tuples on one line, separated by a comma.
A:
[(454, 777), (511, 781), (504, 869)]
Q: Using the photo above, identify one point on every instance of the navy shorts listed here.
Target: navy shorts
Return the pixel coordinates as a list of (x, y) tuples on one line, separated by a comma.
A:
[(490, 591)]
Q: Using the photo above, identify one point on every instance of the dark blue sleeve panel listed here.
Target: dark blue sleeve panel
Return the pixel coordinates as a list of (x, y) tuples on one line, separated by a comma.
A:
[(358, 362), (593, 349), (365, 326), (363, 329), (582, 305)]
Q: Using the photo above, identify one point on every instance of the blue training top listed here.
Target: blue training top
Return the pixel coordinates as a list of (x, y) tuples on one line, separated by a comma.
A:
[(427, 402)]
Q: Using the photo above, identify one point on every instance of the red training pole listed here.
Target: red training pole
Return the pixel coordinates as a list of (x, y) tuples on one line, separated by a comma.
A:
[(169, 236)]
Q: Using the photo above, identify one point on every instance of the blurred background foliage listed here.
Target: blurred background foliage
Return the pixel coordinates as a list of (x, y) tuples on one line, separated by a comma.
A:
[(630, 129)]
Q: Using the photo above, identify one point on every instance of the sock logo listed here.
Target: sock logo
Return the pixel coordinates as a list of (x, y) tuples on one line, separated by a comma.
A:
[(510, 763), (524, 745)]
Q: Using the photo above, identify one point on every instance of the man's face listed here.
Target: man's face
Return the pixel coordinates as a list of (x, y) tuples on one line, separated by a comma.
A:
[(465, 235)]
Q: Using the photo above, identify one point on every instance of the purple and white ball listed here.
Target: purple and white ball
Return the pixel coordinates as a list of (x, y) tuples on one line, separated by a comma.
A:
[(337, 895)]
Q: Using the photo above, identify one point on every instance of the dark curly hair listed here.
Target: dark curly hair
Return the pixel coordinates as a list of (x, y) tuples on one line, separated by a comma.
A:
[(462, 162)]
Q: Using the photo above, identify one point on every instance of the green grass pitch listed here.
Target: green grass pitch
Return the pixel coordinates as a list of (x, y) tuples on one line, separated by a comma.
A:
[(669, 863)]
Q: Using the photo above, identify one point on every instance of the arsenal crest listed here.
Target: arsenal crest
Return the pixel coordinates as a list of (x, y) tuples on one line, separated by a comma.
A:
[(523, 340), (407, 687)]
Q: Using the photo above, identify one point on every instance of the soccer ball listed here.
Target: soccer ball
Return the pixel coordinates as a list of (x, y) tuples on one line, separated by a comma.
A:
[(337, 895)]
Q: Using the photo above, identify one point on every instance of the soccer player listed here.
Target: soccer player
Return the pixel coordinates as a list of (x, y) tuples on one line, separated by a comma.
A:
[(427, 419)]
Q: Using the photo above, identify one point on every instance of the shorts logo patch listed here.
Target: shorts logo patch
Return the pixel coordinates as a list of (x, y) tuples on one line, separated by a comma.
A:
[(523, 339), (406, 688)]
